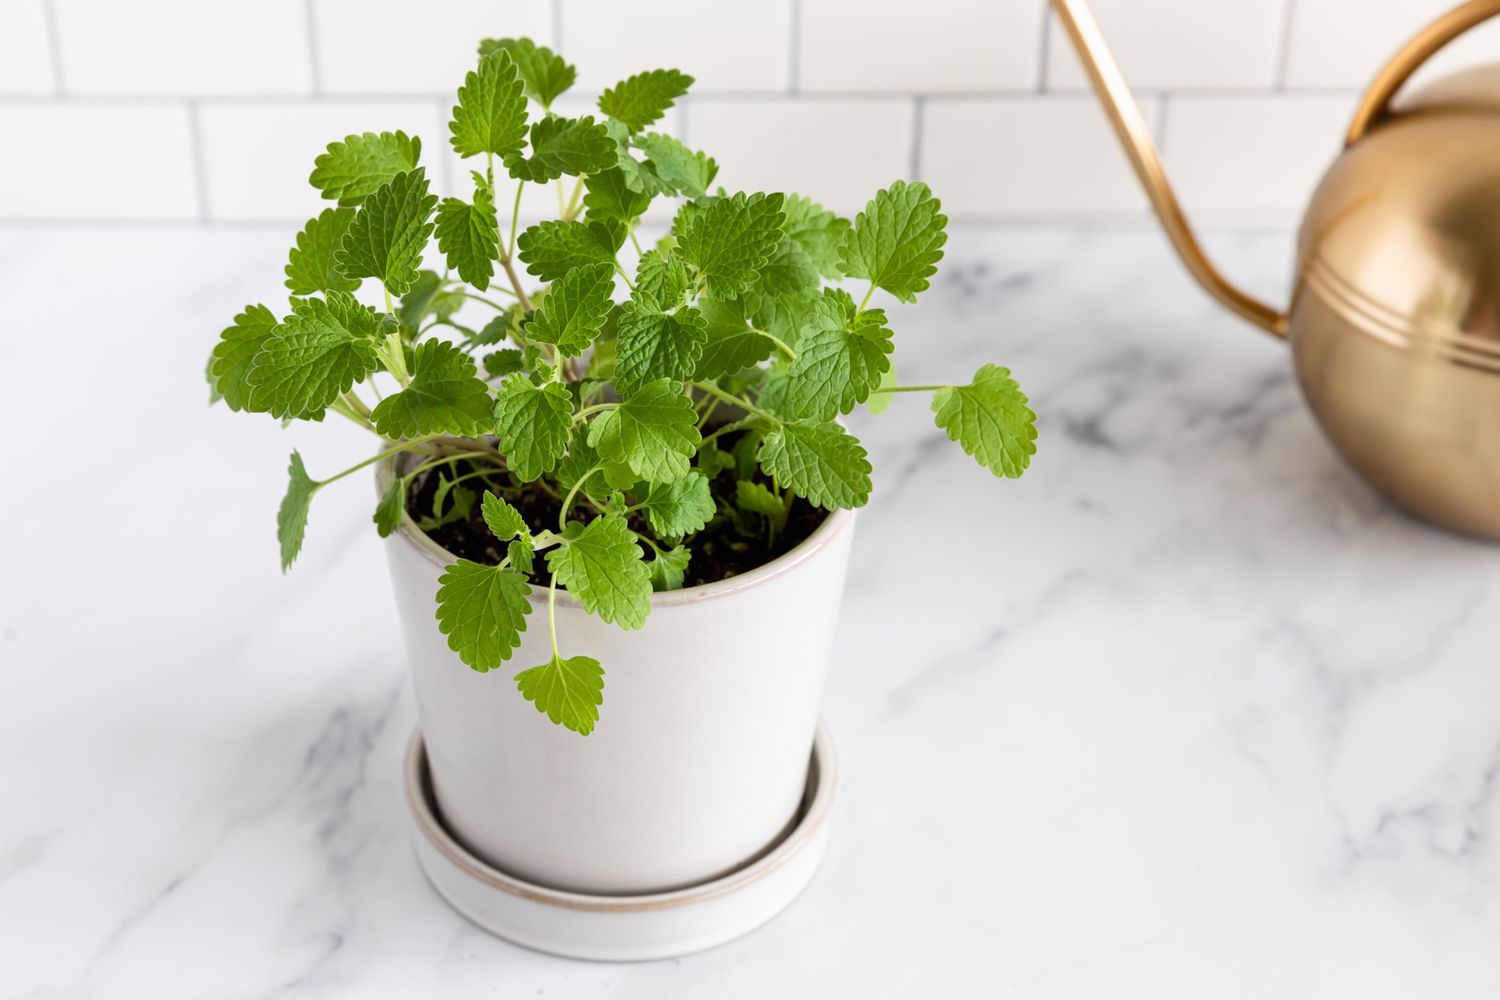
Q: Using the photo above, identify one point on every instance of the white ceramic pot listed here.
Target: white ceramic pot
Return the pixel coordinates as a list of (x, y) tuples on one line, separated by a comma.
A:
[(700, 758)]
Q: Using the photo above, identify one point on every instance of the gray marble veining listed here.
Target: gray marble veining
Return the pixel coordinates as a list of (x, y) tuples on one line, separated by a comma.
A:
[(1188, 712)]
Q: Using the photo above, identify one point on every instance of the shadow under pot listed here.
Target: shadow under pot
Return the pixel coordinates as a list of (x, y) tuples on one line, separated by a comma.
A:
[(699, 762)]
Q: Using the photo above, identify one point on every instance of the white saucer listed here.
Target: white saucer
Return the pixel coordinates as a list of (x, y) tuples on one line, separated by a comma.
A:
[(624, 928)]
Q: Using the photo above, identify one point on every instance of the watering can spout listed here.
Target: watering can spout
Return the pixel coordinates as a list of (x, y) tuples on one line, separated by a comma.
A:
[(1130, 126)]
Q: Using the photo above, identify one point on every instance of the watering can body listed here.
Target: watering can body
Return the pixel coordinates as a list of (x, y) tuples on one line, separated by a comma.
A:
[(1394, 319)]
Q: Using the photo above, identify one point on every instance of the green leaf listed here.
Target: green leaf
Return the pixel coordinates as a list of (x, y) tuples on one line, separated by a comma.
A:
[(521, 552), (544, 73), (638, 176), (669, 569), (234, 355), (789, 272), (533, 423), (602, 568), (506, 326), (818, 231), (213, 383), (775, 386), (732, 239), (551, 249), (291, 517), (352, 170), (732, 345), (660, 279), (653, 345), (482, 610), (580, 459), (322, 350), (498, 364), (469, 235), (444, 396), (392, 504), (611, 197), (503, 520), (684, 170), (841, 357), (390, 232), (568, 690), (561, 146), (443, 512), (680, 507), (309, 266), (989, 418), (754, 497), (645, 97), (781, 315), (490, 116), (897, 240), (821, 462), (575, 308), (427, 296), (654, 432)]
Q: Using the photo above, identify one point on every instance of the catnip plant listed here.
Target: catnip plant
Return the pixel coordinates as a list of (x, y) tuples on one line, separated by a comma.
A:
[(709, 395)]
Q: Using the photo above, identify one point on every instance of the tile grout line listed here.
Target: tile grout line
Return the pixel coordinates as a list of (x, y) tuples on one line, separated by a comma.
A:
[(794, 47), (314, 66), (1163, 106), (1041, 62), (1284, 48), (200, 168), (54, 47), (918, 117), (726, 96), (447, 165)]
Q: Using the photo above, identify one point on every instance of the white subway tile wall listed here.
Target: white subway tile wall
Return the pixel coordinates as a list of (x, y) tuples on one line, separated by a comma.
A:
[(25, 48), (213, 112), (937, 46), (99, 160), (182, 47), (1052, 157), (838, 152)]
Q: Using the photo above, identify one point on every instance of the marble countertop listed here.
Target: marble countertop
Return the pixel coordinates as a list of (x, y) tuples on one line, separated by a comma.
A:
[(1189, 712)]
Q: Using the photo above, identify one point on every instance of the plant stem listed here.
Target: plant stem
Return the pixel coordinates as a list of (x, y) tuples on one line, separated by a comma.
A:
[(628, 283), (515, 219), (562, 209), (352, 400), (446, 460), (708, 411), (636, 242), (515, 282), (490, 302), (404, 446), (743, 404), (866, 300), (596, 408), (471, 475), (791, 355), (552, 611), (738, 425), (567, 504), (342, 409), (572, 209), (910, 388)]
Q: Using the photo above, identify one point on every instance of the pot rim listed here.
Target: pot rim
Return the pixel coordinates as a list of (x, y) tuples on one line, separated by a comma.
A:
[(822, 537)]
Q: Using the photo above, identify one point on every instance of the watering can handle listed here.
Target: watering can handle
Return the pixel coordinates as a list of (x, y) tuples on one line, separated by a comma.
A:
[(1135, 136), (1375, 105)]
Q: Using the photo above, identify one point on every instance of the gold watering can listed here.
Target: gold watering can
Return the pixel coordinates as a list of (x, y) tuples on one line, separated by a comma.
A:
[(1395, 314)]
